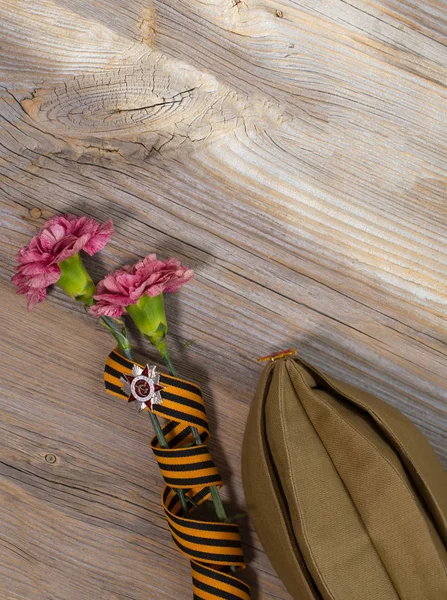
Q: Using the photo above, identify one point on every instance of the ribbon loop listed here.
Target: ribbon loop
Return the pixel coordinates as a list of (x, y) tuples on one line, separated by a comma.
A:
[(212, 547), (187, 468)]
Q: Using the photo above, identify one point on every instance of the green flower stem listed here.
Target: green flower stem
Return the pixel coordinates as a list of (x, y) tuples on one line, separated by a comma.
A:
[(115, 327), (215, 495), (163, 444), (217, 500), (119, 332), (163, 349)]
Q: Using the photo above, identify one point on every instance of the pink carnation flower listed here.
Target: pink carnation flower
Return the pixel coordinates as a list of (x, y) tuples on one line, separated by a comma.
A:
[(60, 238), (126, 286)]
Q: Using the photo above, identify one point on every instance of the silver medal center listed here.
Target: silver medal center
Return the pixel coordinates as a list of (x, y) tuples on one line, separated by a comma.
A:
[(142, 382)]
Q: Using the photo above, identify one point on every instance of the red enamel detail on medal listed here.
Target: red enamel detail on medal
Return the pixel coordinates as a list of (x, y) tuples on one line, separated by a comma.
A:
[(142, 386)]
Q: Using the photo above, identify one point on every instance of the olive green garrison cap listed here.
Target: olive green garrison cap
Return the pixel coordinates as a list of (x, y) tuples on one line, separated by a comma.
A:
[(347, 496)]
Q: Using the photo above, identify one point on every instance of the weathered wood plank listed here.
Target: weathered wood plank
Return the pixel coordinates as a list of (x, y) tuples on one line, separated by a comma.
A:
[(294, 154)]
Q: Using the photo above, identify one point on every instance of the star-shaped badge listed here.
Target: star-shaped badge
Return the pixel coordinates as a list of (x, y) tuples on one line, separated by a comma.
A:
[(142, 386)]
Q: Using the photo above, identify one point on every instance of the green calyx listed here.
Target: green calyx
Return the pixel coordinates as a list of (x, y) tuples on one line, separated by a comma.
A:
[(75, 280), (149, 316)]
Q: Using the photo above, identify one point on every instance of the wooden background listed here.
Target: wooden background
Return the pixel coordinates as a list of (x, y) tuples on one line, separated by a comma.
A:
[(294, 153)]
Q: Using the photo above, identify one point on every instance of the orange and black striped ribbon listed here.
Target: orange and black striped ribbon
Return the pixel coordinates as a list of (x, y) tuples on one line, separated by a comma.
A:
[(212, 547)]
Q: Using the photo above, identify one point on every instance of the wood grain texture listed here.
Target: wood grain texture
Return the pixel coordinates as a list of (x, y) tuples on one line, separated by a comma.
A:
[(294, 153)]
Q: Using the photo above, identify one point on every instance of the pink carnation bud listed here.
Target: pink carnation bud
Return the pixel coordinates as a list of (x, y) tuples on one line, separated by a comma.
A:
[(60, 238)]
